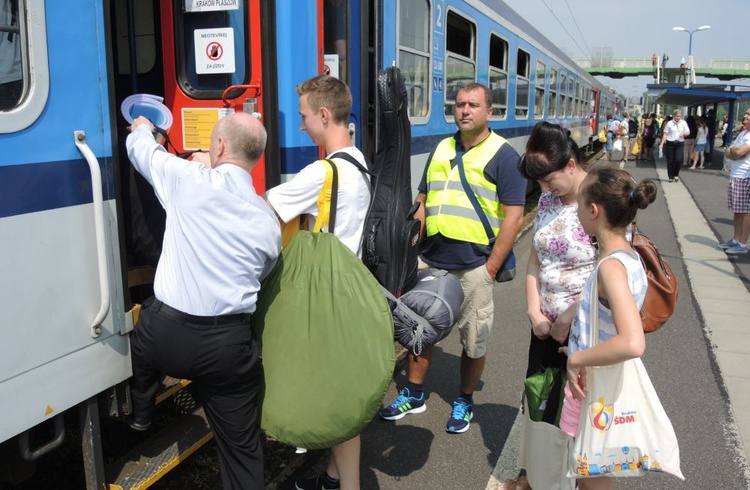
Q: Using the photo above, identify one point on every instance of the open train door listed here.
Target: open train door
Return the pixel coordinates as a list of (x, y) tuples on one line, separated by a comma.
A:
[(347, 36), (213, 66)]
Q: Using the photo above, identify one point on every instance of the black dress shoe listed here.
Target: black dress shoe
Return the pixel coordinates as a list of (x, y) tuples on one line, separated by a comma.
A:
[(140, 424)]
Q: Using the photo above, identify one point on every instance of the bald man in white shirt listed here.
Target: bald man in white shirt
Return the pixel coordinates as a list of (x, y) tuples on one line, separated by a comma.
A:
[(220, 240)]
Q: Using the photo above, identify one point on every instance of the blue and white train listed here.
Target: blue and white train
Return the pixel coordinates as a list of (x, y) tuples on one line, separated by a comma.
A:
[(79, 232)]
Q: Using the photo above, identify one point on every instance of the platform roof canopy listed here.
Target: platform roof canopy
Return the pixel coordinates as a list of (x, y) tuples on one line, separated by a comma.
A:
[(696, 95)]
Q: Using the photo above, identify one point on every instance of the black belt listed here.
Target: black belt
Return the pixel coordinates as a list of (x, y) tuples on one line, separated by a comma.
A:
[(179, 316), (675, 143)]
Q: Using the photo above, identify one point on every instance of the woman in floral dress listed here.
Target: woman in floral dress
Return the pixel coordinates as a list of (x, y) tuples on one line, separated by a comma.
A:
[(564, 256)]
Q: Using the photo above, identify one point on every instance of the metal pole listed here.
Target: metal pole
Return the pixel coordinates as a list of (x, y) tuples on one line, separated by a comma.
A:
[(690, 57)]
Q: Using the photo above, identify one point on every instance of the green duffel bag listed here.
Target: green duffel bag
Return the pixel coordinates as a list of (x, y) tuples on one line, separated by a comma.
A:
[(326, 333)]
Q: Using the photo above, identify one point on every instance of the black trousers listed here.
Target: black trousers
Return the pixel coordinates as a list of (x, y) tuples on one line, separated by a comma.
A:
[(673, 153), (222, 360)]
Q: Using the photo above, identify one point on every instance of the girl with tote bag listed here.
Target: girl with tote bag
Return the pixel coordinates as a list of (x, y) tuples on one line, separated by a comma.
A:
[(610, 406)]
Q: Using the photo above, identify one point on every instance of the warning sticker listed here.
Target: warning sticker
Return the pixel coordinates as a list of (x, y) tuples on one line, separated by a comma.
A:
[(214, 50), (197, 124)]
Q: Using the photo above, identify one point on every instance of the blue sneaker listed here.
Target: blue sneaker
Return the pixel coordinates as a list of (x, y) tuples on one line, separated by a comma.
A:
[(736, 250), (405, 403), (727, 245), (461, 416)]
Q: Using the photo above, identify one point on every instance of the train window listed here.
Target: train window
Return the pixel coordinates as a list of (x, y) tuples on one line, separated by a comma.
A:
[(145, 37), (460, 65), (552, 93), (24, 72), (571, 95), (563, 88), (211, 49), (414, 55), (498, 76), (523, 76), (539, 84)]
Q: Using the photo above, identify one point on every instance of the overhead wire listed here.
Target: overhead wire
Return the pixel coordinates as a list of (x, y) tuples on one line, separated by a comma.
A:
[(566, 30), (583, 38)]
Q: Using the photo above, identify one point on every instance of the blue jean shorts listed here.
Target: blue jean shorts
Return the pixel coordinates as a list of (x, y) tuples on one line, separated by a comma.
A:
[(700, 148)]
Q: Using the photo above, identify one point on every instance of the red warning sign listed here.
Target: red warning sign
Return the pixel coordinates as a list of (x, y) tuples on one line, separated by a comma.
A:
[(214, 51)]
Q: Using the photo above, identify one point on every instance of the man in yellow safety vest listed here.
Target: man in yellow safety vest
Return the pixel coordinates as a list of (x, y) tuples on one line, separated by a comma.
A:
[(460, 240)]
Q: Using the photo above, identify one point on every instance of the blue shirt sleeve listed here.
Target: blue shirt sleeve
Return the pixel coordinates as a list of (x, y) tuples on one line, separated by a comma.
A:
[(503, 171)]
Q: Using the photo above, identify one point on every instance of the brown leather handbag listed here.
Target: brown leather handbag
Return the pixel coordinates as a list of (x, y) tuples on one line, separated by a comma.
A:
[(661, 296)]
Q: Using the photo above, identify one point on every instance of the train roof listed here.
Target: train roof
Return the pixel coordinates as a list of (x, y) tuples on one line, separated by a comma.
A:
[(502, 9)]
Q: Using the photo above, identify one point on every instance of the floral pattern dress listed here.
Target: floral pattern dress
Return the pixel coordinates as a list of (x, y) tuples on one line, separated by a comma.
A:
[(566, 254)]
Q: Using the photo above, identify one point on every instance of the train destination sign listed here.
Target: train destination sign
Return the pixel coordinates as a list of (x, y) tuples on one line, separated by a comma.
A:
[(214, 50), (211, 5)]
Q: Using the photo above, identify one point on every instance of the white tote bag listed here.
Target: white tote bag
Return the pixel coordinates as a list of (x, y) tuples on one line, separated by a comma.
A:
[(545, 453), (617, 145), (623, 430)]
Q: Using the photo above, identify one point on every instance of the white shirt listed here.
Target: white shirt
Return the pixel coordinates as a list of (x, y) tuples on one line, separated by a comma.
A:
[(221, 238), (741, 168), (300, 196), (702, 136), (674, 130)]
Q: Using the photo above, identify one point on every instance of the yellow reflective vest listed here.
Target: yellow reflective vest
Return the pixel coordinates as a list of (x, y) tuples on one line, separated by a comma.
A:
[(448, 210)]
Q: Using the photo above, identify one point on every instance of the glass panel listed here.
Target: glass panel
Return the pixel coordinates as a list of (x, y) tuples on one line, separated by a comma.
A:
[(336, 36), (414, 17), (539, 90), (563, 88), (522, 97), (416, 71), (13, 75), (552, 93), (209, 67), (571, 94), (499, 88), (458, 72)]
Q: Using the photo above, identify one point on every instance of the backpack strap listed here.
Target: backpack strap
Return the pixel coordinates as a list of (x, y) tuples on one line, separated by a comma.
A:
[(328, 198)]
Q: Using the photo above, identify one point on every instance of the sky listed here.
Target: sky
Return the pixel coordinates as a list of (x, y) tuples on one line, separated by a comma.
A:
[(638, 28)]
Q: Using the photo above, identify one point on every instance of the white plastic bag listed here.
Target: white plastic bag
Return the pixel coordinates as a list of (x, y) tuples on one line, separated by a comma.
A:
[(661, 153), (617, 145)]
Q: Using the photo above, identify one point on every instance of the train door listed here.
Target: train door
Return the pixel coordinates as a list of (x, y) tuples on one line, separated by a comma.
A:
[(63, 322), (212, 66), (348, 54)]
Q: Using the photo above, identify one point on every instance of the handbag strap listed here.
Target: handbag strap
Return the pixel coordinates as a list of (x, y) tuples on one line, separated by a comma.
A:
[(473, 198), (328, 199)]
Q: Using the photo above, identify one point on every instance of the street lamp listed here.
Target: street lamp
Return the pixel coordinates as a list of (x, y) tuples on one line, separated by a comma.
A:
[(691, 72)]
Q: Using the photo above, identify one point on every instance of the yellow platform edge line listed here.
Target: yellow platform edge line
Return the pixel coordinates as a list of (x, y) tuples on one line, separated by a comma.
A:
[(172, 390)]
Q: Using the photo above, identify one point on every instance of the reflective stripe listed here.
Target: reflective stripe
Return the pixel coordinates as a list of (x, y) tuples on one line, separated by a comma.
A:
[(483, 192), (468, 213)]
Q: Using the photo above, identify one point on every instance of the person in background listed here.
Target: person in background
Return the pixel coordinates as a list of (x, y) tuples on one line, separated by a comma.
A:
[(608, 200), (711, 125), (608, 146), (689, 146), (738, 190), (700, 143), (221, 239), (673, 136), (624, 131), (724, 131), (325, 103), (457, 241)]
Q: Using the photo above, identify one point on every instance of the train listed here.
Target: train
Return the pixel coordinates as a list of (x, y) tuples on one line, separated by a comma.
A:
[(81, 234)]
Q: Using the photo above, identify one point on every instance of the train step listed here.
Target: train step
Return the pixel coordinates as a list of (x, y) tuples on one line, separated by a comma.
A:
[(145, 464)]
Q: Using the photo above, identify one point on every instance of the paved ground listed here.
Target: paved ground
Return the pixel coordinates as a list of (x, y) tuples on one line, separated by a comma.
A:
[(694, 362)]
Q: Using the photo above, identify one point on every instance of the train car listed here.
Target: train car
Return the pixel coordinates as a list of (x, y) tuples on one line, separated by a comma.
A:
[(81, 232)]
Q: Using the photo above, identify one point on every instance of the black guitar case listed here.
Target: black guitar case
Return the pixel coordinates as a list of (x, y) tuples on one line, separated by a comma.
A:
[(391, 236)]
